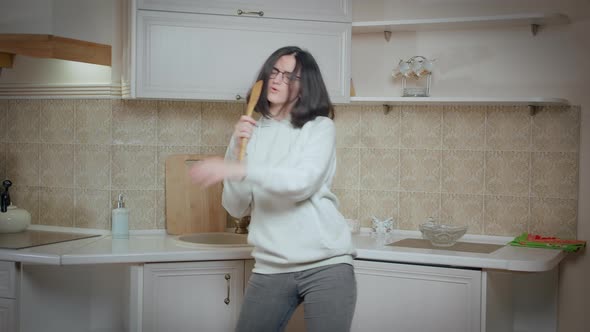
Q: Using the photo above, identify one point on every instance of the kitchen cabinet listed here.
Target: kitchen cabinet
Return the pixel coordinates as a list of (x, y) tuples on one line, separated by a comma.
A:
[(8, 296), (192, 296), (418, 298), (180, 55), (325, 10)]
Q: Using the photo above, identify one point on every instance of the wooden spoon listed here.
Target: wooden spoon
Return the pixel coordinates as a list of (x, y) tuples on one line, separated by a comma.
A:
[(254, 95)]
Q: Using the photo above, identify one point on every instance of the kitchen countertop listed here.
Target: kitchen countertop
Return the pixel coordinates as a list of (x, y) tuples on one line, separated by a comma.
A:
[(160, 247)]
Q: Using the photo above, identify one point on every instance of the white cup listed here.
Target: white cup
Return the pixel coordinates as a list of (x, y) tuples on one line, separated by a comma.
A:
[(381, 226), (423, 67), (354, 225), (405, 69)]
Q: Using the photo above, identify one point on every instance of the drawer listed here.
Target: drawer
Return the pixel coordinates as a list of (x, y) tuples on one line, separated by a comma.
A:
[(7, 279), (308, 10)]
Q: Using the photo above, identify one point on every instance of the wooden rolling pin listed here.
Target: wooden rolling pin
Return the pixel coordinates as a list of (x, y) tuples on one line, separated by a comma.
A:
[(254, 96)]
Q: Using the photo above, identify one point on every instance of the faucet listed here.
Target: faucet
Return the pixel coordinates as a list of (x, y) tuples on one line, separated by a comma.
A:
[(5, 197), (242, 225)]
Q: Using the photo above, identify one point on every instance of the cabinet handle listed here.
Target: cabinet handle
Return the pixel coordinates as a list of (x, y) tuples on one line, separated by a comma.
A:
[(227, 277), (238, 97), (245, 12)]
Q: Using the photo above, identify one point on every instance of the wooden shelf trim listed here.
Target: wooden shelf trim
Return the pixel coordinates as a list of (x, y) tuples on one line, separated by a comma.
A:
[(49, 46), (6, 60), (536, 19)]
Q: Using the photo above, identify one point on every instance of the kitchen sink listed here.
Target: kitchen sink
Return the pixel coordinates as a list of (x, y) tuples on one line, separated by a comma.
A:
[(215, 239)]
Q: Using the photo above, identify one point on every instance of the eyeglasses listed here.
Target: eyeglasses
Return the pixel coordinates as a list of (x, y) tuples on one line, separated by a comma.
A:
[(287, 76)]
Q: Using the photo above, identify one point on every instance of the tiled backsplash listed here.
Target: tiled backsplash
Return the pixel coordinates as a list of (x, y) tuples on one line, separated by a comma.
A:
[(497, 169)]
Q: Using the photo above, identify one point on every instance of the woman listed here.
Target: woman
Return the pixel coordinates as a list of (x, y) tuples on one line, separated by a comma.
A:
[(302, 245)]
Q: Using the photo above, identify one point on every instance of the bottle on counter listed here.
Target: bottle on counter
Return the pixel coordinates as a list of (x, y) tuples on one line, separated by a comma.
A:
[(120, 220), (12, 219)]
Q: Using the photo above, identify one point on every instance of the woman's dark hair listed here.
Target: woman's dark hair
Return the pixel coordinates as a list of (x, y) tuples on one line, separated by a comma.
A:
[(313, 98)]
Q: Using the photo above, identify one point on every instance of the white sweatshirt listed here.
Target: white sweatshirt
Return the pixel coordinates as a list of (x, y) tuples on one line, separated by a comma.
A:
[(295, 223)]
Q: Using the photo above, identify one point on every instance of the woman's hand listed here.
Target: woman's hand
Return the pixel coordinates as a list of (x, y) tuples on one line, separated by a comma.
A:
[(214, 170), (243, 129)]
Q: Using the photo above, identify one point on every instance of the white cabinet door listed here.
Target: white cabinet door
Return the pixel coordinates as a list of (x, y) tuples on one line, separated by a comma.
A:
[(7, 315), (198, 296), (313, 10), (414, 298), (7, 279), (214, 57)]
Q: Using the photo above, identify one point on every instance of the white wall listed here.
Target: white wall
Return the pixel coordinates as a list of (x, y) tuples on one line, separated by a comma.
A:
[(503, 62), (89, 20), (26, 16)]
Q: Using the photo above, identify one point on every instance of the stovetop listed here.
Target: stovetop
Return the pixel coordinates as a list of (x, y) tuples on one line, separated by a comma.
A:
[(30, 238)]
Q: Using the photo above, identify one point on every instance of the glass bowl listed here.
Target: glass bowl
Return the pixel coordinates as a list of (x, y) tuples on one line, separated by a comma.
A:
[(441, 235)]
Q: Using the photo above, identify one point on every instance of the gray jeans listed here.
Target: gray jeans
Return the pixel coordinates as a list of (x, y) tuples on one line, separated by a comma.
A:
[(328, 294)]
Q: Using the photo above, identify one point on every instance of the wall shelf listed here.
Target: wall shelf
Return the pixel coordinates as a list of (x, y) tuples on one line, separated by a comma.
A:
[(54, 47), (532, 103), (533, 19), (536, 101)]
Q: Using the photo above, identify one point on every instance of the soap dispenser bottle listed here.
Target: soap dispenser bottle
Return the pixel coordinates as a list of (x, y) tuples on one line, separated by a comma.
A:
[(120, 220)]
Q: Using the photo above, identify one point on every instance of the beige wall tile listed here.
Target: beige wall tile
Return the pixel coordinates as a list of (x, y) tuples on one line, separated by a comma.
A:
[(349, 202), (507, 173), (22, 163), (213, 150), (56, 165), (347, 169), (508, 128), (218, 121), (3, 119), (134, 122), (141, 205), (3, 148), (557, 129), (94, 121), (347, 121), (92, 166), (464, 127), (23, 123), (554, 217), (161, 209), (26, 197), (179, 123), (133, 167), (163, 153), (555, 174), (379, 169), (506, 215), (371, 168), (56, 206), (420, 170), (416, 208), (380, 130), (56, 124), (462, 172), (93, 209), (421, 127), (467, 210), (381, 204)]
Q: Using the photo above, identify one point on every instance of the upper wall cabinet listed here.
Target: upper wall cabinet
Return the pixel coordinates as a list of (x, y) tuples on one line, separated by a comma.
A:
[(325, 10), (190, 55)]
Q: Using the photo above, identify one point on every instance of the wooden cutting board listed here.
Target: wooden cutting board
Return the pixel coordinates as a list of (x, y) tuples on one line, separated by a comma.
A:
[(190, 208)]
